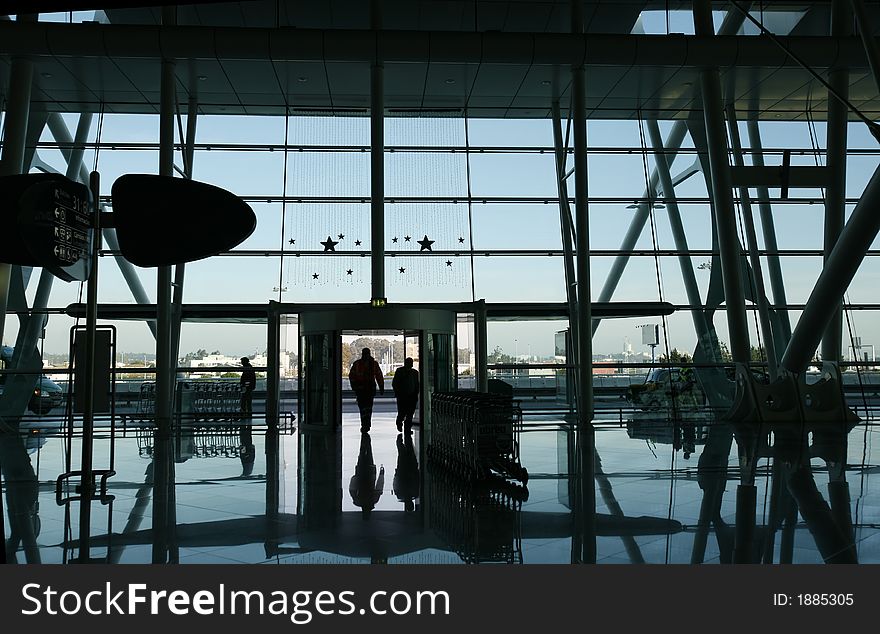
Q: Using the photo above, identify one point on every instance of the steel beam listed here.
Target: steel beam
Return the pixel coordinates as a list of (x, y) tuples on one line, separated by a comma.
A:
[(481, 335), (377, 182), (679, 236), (722, 195), (768, 229), (566, 231), (87, 480), (165, 365), (866, 31), (163, 481), (62, 135), (835, 159), (840, 268), (11, 160), (180, 269), (754, 257), (273, 360), (584, 390), (291, 44), (673, 143)]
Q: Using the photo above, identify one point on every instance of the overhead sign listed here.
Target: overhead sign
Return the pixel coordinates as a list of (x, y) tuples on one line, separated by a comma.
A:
[(162, 220), (52, 218)]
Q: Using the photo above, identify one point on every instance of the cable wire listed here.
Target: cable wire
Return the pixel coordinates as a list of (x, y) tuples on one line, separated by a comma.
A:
[(872, 127), (675, 405)]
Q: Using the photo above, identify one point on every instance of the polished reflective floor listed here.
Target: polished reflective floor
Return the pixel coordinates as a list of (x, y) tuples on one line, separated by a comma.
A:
[(239, 494)]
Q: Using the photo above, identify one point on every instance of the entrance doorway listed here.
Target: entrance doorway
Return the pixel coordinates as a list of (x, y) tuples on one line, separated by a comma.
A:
[(328, 339), (389, 348), (331, 339)]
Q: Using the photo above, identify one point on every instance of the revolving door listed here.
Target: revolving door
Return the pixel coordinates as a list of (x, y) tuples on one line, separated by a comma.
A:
[(427, 333)]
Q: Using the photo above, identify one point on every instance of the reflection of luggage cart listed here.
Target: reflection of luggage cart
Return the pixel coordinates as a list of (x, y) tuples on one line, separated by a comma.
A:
[(146, 405), (480, 522), (476, 435), (202, 443), (209, 401)]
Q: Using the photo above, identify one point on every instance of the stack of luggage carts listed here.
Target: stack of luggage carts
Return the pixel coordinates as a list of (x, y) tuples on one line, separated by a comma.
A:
[(479, 522), (201, 404), (207, 402), (476, 435)]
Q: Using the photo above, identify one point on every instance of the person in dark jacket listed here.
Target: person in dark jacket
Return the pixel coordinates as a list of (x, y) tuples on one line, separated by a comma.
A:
[(406, 390), (365, 376), (248, 385)]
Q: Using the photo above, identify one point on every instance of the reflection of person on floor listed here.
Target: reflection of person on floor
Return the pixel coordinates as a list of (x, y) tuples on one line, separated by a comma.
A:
[(406, 390), (406, 476), (248, 384), (365, 375), (246, 452), (22, 499), (365, 486), (686, 405)]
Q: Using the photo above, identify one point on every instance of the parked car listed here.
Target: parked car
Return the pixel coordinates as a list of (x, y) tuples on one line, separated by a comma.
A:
[(661, 384), (47, 394)]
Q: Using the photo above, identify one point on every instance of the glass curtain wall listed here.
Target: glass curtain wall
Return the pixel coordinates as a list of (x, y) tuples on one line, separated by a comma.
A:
[(471, 212)]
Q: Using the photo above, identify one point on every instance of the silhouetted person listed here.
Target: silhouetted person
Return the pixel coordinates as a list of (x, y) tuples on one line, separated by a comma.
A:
[(365, 486), (248, 384), (22, 499), (247, 453), (406, 476), (365, 375), (406, 390)]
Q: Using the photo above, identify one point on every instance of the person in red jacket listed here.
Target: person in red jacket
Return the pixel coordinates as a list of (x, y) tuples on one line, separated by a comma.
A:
[(365, 376)]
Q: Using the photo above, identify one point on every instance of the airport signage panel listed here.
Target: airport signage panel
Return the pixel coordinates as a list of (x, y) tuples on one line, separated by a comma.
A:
[(51, 217)]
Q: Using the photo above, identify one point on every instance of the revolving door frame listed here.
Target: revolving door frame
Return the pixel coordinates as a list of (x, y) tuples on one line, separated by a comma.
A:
[(333, 319)]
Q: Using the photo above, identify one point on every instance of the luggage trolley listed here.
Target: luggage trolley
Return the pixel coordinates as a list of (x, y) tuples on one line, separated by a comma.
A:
[(476, 435)]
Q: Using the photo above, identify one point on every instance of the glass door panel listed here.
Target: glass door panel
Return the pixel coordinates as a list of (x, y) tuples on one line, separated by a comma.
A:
[(320, 380)]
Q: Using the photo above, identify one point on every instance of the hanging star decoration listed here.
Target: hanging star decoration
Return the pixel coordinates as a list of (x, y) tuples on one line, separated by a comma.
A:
[(402, 270), (292, 241), (460, 239), (314, 276), (425, 244), (394, 240), (406, 238), (357, 243), (341, 236), (448, 262), (349, 272), (329, 245)]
